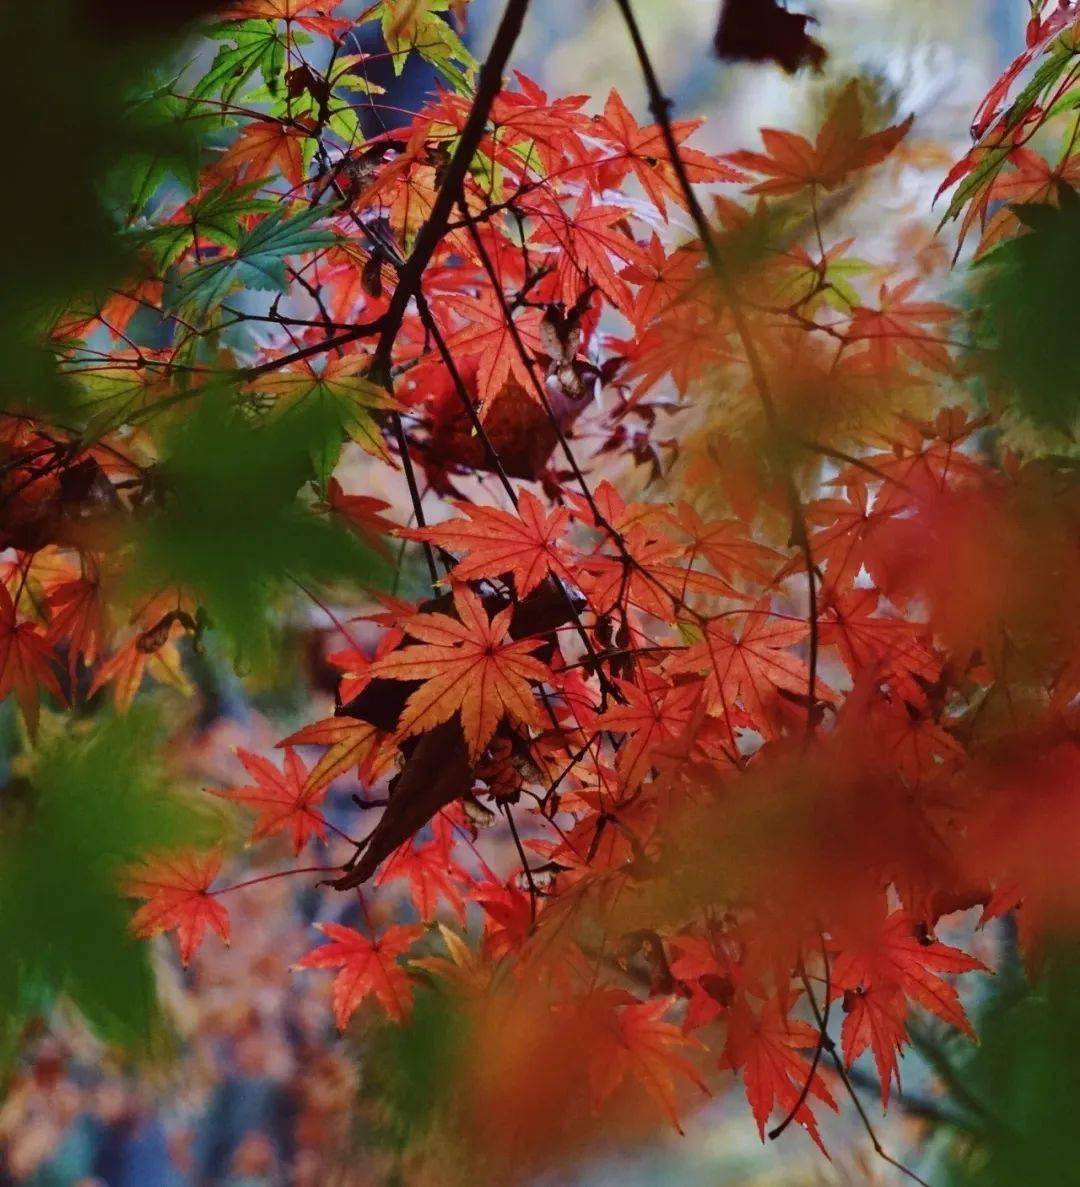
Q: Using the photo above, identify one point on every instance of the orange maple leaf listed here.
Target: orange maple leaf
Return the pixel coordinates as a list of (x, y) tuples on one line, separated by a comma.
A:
[(896, 328), (487, 338), (367, 967), (632, 1039), (177, 890), (495, 542), (726, 545), (150, 651), (792, 163), (282, 799), (265, 147), (351, 743), (468, 667)]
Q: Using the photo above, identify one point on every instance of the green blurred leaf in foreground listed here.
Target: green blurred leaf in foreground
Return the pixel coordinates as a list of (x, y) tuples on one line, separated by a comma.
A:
[(229, 524), (1033, 317), (91, 801), (1028, 1064)]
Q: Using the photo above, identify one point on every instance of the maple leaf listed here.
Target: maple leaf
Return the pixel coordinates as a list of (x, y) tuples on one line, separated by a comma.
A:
[(507, 917), (752, 668), (431, 872), (368, 967), (25, 662), (1033, 181), (895, 328), (632, 1039), (177, 890), (363, 514), (313, 15), (661, 279), (845, 542), (282, 799), (643, 151), (487, 338), (415, 25), (726, 545), (351, 743), (338, 394), (655, 712), (77, 614), (152, 652), (911, 743), (267, 147), (765, 1046), (540, 131), (648, 574), (462, 968), (588, 247), (793, 163), (495, 542), (875, 1018), (894, 649), (899, 955), (259, 260), (467, 667)]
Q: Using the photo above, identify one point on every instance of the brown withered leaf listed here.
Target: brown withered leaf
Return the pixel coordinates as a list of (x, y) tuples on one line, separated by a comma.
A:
[(764, 31)]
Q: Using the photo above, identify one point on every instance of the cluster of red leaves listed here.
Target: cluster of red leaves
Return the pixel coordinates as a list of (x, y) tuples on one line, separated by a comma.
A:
[(747, 760)]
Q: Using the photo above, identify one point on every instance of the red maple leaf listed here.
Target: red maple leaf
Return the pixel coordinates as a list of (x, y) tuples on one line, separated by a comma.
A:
[(751, 669), (78, 615), (643, 151), (765, 1046), (25, 662), (177, 889), (363, 515), (283, 799), (631, 1038), (589, 246), (867, 640), (523, 544), (901, 955), (431, 873), (655, 712), (875, 1018), (368, 967), (312, 15)]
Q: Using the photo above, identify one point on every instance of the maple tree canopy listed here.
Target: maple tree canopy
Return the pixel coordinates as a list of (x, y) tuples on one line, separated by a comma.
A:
[(667, 614)]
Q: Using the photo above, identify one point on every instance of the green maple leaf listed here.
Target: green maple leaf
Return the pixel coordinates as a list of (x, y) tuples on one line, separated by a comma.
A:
[(259, 262), (256, 49), (214, 215), (415, 26)]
